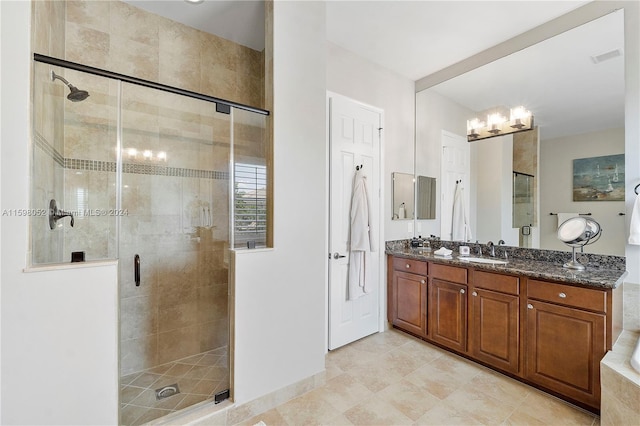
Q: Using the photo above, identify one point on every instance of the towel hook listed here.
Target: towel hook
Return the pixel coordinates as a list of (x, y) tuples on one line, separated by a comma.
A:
[(359, 167), (636, 189)]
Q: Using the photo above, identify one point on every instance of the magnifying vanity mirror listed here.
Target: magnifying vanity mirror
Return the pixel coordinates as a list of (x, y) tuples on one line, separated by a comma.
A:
[(573, 83)]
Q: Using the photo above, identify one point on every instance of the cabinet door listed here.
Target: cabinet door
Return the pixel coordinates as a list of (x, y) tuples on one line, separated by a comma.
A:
[(448, 312), (495, 329), (410, 302), (565, 346)]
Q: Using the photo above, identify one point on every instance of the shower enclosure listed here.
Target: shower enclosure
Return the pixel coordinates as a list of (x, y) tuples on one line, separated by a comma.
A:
[(165, 181), (523, 206)]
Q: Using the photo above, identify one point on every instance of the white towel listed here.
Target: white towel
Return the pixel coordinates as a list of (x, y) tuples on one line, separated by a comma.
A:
[(461, 229), (563, 217), (361, 238), (634, 227), (443, 251)]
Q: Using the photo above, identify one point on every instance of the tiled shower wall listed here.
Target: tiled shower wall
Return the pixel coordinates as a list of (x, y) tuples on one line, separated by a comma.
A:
[(118, 37), (176, 222)]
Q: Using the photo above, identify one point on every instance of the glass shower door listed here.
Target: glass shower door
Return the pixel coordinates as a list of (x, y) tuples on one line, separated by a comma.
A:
[(175, 202), (523, 206)]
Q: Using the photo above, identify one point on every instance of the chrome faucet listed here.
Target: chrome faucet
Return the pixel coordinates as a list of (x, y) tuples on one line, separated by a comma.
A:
[(506, 255), (492, 249)]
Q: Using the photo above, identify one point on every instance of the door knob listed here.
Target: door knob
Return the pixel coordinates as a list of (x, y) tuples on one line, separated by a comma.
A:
[(462, 290), (337, 255)]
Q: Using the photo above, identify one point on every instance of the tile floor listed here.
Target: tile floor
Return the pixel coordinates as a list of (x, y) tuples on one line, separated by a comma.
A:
[(392, 378), (199, 378)]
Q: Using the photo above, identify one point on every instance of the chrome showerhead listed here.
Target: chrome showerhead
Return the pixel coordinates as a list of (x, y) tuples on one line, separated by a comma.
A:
[(75, 95)]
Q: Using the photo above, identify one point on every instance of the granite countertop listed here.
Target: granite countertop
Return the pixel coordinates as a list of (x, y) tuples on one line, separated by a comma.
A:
[(590, 277)]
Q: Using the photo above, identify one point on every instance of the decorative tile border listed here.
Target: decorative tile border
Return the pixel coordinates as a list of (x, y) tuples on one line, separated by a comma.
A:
[(89, 165), (134, 168)]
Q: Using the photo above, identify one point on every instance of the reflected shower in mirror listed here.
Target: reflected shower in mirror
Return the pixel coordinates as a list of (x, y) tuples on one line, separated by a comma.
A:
[(403, 196), (426, 194), (574, 84)]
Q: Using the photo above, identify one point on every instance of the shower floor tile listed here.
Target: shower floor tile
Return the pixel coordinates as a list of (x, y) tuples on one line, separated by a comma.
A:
[(199, 378)]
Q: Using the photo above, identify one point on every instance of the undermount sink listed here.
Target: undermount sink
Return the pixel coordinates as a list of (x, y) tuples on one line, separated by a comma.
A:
[(483, 260)]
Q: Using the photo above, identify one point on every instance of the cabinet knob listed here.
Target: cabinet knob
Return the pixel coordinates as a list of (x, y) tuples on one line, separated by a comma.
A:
[(407, 266), (422, 281), (462, 290), (562, 295), (529, 306), (475, 293)]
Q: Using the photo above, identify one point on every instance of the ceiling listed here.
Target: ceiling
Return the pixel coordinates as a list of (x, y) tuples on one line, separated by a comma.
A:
[(412, 38), (417, 38), (241, 21)]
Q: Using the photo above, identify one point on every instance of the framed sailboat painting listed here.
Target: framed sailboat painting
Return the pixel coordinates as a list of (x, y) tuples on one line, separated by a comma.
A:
[(599, 178)]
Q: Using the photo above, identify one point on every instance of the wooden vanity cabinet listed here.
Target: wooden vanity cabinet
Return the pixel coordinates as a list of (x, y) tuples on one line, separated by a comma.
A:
[(548, 334), (407, 299), (567, 338), (448, 306), (494, 320)]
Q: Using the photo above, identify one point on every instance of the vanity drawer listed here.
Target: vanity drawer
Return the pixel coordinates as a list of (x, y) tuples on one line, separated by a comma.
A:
[(449, 273), (579, 297), (497, 282), (410, 265)]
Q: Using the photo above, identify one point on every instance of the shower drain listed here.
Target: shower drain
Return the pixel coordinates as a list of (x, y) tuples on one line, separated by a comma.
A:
[(167, 391)]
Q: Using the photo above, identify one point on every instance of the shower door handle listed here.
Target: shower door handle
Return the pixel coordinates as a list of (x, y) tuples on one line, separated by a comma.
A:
[(136, 269)]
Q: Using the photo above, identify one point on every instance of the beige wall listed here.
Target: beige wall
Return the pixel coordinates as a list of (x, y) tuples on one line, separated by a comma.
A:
[(556, 189), (118, 37)]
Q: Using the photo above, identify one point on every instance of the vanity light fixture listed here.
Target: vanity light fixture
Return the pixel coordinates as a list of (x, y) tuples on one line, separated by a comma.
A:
[(473, 128), (495, 123), (136, 155), (520, 119), (194, 1)]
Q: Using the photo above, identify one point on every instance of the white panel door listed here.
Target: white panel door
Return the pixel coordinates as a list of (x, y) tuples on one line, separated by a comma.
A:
[(455, 166), (354, 132)]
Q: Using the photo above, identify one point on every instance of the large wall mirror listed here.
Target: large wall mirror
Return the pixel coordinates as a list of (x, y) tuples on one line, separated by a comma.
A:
[(573, 84)]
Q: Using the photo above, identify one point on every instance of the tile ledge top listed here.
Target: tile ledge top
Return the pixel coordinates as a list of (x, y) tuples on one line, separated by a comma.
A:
[(70, 265), (618, 359)]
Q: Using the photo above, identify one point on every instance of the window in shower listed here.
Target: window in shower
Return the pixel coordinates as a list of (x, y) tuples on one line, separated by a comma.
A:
[(250, 204), (251, 178)]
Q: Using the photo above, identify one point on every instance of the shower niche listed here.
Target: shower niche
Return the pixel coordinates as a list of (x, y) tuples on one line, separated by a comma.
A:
[(150, 177)]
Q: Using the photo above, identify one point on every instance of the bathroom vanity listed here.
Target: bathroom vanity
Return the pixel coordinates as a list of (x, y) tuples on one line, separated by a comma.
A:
[(532, 320)]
